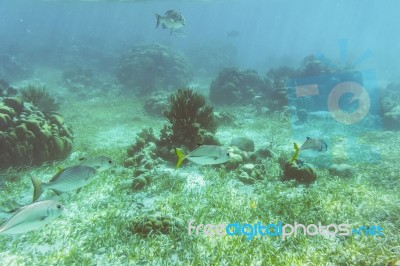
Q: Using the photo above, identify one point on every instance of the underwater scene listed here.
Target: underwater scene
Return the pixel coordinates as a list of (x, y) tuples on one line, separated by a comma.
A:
[(199, 132)]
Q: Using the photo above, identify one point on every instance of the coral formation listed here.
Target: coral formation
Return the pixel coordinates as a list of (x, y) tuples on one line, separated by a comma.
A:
[(299, 171), (147, 68), (156, 224), (28, 137), (191, 119), (40, 98), (235, 86), (243, 143)]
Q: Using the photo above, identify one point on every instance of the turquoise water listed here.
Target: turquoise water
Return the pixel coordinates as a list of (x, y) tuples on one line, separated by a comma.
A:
[(237, 89)]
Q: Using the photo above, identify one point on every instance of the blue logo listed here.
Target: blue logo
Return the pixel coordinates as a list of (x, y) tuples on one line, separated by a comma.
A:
[(341, 103)]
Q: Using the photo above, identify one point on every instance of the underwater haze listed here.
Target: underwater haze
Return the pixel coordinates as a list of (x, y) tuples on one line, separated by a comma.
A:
[(199, 132)]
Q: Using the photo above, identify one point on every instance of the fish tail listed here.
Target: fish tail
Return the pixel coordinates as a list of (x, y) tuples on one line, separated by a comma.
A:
[(296, 153), (158, 19), (181, 157), (37, 188)]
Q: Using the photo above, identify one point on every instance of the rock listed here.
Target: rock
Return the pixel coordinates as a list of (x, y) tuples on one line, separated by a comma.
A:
[(243, 143), (261, 154), (342, 170), (138, 183)]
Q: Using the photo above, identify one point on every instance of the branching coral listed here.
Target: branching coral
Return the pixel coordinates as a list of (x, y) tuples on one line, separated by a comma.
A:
[(39, 97), (187, 108)]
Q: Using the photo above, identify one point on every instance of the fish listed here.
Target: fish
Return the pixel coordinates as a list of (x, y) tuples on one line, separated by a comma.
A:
[(232, 34), (204, 155), (32, 217), (68, 179), (172, 20), (314, 144), (100, 163)]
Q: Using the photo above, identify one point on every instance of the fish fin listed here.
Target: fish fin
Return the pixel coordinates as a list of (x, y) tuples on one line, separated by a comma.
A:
[(296, 153), (37, 188), (78, 190), (158, 19), (181, 157), (58, 192)]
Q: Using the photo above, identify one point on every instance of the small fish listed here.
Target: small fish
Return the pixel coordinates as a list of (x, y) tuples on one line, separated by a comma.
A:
[(172, 20), (32, 217), (68, 179), (232, 34), (314, 144), (100, 163), (204, 155)]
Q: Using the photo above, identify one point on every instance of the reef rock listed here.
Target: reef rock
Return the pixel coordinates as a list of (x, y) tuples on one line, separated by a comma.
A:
[(243, 143), (299, 171), (29, 137), (147, 68), (235, 86)]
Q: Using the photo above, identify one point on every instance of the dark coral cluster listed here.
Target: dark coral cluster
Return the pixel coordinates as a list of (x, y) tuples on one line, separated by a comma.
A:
[(277, 89), (191, 119), (191, 122), (156, 224), (30, 137), (41, 98), (148, 68)]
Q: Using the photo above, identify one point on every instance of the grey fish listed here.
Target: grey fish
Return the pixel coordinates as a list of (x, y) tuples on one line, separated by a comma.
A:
[(32, 217), (172, 20), (100, 163), (204, 155), (314, 144), (68, 179)]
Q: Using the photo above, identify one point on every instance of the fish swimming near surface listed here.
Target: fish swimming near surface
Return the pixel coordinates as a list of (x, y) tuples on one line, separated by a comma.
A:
[(204, 155), (314, 144), (172, 20), (100, 163), (32, 217), (68, 179)]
